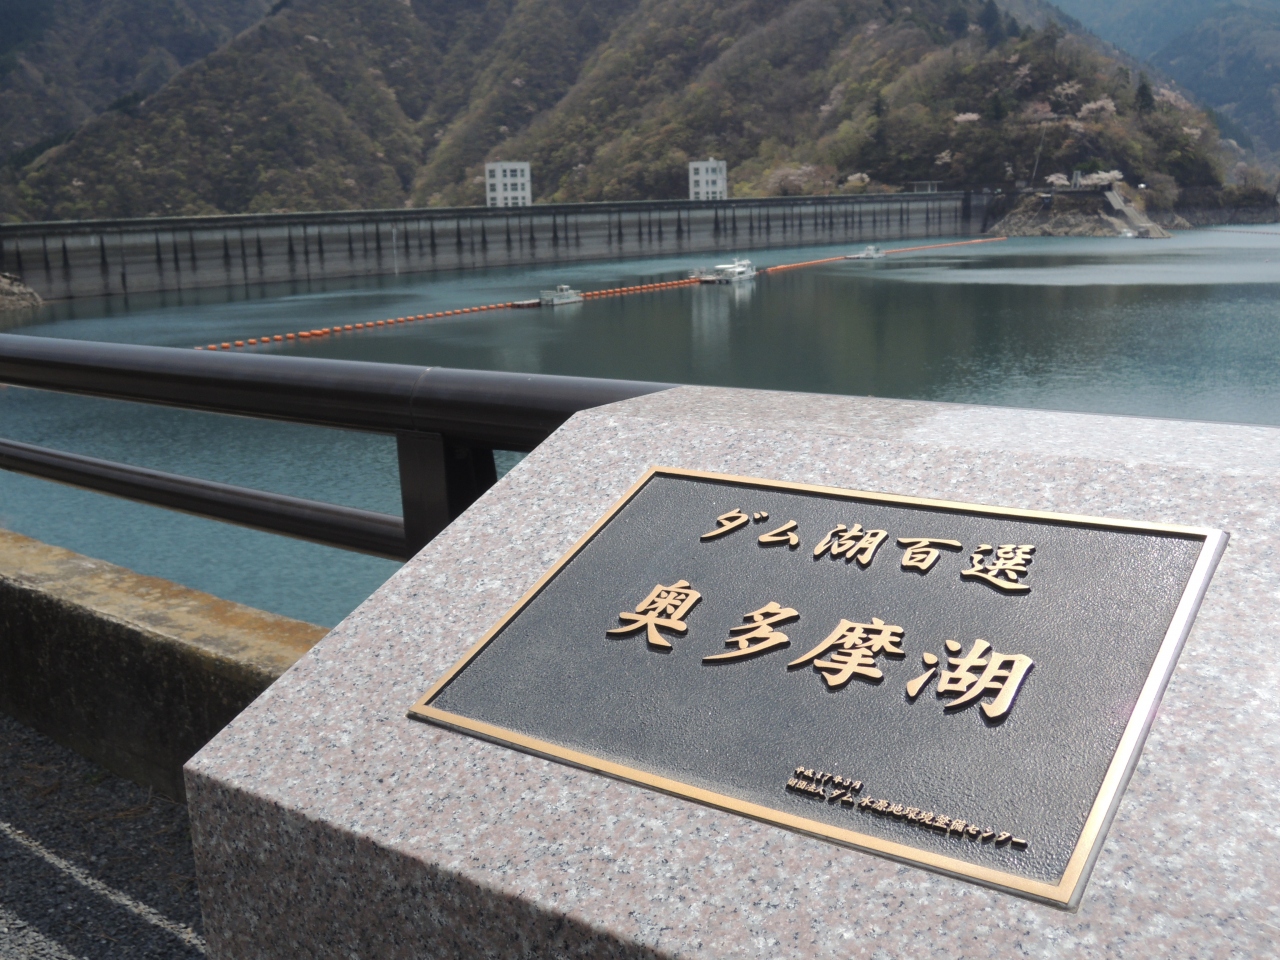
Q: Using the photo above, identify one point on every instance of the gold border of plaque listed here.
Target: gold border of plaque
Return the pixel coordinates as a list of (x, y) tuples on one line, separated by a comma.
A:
[(1067, 892)]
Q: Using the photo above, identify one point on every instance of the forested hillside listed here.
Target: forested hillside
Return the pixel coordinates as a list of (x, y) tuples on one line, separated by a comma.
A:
[(332, 104), (1141, 26), (1232, 62), (814, 104), (1224, 52), (65, 61)]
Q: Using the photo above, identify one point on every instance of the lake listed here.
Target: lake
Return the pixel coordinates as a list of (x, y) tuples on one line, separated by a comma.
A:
[(1188, 328)]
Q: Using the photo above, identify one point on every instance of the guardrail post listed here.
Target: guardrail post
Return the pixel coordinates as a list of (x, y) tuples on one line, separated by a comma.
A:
[(424, 493), (469, 472), (439, 479)]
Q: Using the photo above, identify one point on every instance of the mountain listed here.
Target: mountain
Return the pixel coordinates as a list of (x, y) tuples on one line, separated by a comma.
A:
[(812, 100), (337, 104), (1141, 27), (65, 61), (325, 104), (1231, 61), (1225, 53)]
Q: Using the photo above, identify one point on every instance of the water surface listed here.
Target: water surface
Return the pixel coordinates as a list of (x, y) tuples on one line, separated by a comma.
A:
[(1188, 327)]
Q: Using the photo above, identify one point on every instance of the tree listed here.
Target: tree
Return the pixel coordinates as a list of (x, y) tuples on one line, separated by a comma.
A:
[(958, 22), (1143, 99), (992, 23)]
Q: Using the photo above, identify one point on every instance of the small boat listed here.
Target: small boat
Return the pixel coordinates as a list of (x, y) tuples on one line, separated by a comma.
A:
[(872, 252), (734, 272), (560, 296), (524, 304)]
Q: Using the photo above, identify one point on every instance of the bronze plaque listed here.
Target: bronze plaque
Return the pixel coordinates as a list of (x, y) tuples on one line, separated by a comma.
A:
[(964, 688)]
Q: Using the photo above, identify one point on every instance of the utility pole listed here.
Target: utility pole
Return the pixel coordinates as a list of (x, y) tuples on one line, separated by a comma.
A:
[(1043, 130)]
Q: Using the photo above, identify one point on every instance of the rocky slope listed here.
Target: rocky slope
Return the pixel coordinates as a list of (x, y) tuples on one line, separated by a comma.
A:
[(16, 295)]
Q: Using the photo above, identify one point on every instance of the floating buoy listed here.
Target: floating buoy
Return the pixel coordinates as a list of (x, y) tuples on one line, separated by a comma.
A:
[(369, 324)]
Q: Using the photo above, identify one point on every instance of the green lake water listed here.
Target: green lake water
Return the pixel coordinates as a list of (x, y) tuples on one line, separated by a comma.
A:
[(1188, 328)]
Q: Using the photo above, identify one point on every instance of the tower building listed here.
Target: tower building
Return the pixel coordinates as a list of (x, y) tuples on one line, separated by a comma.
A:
[(708, 179), (507, 184)]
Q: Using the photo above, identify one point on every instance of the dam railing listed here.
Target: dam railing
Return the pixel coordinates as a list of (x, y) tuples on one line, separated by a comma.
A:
[(446, 422), (94, 258)]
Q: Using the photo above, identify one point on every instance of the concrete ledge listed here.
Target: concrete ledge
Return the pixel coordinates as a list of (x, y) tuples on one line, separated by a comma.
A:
[(135, 673), (327, 825)]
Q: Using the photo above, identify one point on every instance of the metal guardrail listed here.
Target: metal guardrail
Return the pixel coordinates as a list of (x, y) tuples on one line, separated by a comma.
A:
[(446, 422)]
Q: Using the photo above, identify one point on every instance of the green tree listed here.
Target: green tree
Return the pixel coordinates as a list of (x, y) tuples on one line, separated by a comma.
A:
[(1143, 99), (992, 23), (958, 21)]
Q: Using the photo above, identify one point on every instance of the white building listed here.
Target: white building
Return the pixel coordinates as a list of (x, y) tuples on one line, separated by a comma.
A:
[(708, 180), (507, 184)]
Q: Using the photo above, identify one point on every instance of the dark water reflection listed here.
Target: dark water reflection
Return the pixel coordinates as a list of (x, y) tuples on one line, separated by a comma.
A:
[(1188, 327)]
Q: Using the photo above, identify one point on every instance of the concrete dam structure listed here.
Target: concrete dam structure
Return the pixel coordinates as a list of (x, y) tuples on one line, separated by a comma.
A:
[(70, 259)]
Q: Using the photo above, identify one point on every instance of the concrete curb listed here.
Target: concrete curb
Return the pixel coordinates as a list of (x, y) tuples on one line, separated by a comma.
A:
[(136, 673)]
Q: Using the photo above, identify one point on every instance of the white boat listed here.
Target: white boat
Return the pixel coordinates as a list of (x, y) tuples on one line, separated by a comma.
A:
[(872, 252), (561, 295), (734, 272)]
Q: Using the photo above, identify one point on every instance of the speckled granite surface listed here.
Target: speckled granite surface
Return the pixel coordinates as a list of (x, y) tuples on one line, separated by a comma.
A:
[(328, 825)]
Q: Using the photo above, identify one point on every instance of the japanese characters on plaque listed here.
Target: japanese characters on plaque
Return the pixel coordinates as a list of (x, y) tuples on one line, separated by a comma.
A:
[(898, 675), (843, 792), (853, 649)]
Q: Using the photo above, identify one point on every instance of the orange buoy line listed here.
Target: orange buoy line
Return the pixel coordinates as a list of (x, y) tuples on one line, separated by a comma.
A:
[(345, 328), (931, 246), (639, 288), (587, 295), (794, 266), (371, 324), (939, 246)]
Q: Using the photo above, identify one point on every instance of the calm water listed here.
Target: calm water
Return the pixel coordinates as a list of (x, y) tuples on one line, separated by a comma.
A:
[(1188, 327)]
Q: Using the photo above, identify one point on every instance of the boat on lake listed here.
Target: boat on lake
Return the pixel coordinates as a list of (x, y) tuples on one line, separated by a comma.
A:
[(734, 272), (560, 296), (872, 252)]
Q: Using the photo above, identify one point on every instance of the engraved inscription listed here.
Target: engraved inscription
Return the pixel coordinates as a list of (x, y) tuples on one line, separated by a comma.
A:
[(842, 791), (848, 651), (764, 623), (1003, 567), (951, 826), (852, 543), (851, 649), (757, 635), (824, 786), (980, 672), (665, 607), (922, 552)]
